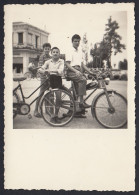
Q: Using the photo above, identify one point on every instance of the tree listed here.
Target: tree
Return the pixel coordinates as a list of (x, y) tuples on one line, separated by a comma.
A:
[(112, 38), (95, 54), (111, 43), (100, 52), (85, 49), (123, 65)]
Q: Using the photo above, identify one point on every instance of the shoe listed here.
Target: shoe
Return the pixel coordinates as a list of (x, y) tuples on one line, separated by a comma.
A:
[(52, 120), (58, 121), (79, 115), (38, 115), (55, 120), (84, 105), (68, 114)]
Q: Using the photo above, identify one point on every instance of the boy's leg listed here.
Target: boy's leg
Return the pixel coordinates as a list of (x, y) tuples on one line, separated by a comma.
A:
[(58, 100), (42, 89), (80, 83), (56, 82), (81, 89), (36, 112)]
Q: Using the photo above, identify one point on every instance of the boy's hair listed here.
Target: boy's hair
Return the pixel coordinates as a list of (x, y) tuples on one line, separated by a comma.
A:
[(46, 45), (75, 37), (55, 48)]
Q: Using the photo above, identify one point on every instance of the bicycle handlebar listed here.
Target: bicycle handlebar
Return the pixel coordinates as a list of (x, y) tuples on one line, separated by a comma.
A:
[(101, 74)]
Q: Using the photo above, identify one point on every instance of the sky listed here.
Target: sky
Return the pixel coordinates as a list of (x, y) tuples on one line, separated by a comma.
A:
[(63, 21)]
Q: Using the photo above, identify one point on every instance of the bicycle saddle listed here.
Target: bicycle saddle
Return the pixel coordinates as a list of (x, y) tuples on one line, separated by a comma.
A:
[(19, 78)]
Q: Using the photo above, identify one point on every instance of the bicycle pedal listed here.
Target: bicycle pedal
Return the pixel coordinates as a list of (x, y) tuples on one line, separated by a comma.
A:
[(29, 116)]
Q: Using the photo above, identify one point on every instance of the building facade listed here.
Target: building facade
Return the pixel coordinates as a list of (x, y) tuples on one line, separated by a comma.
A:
[(27, 43)]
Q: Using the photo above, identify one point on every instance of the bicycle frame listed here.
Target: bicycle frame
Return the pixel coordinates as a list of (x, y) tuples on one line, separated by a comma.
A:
[(95, 88), (22, 94)]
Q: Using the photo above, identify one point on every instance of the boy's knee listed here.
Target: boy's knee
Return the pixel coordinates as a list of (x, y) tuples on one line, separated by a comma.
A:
[(83, 80)]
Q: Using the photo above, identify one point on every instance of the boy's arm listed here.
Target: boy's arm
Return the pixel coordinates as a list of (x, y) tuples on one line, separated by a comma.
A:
[(68, 64), (60, 69), (44, 68), (71, 68), (87, 69)]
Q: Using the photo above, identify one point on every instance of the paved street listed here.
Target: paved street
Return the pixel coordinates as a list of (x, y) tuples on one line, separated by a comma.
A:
[(23, 122)]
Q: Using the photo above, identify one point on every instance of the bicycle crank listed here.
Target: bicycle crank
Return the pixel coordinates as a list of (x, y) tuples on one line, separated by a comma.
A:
[(24, 109)]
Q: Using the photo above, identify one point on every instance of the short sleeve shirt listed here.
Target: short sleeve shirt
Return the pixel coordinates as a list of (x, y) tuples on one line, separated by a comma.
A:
[(54, 66), (43, 58), (75, 57)]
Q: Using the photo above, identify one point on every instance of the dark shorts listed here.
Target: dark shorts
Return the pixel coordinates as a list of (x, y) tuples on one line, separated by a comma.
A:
[(55, 81)]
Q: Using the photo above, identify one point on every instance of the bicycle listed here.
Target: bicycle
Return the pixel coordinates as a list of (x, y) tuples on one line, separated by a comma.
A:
[(108, 107), (33, 73), (20, 107)]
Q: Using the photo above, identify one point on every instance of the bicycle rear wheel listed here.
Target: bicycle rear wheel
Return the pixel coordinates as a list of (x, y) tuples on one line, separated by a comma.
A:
[(57, 111), (28, 75), (115, 117), (16, 99)]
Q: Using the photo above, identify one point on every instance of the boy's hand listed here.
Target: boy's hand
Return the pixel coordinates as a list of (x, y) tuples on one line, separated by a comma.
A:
[(78, 73), (46, 72), (42, 71)]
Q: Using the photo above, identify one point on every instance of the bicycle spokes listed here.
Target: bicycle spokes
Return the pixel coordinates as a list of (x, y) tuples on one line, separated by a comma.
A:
[(57, 107), (113, 115)]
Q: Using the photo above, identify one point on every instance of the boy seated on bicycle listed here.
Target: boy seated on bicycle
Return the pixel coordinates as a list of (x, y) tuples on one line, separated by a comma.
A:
[(75, 69), (55, 68)]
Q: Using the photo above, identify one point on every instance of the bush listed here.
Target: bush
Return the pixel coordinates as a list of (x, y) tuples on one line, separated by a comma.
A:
[(124, 77), (111, 77), (116, 76)]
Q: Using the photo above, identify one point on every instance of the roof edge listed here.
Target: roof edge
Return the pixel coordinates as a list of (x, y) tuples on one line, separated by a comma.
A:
[(24, 23)]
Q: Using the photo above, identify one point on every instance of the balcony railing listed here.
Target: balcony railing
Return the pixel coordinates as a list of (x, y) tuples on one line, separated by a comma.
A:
[(27, 46)]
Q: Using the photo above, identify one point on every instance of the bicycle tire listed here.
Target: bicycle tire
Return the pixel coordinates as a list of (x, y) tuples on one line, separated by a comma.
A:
[(16, 99), (110, 119), (28, 76), (38, 76), (50, 103)]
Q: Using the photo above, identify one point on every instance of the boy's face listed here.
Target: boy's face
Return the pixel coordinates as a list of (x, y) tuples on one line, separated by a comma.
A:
[(46, 50), (76, 43), (55, 53)]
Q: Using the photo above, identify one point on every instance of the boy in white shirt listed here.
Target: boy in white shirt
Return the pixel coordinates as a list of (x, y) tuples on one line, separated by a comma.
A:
[(55, 67), (74, 63)]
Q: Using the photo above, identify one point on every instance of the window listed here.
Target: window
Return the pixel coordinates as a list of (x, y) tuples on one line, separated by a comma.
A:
[(36, 41), (18, 68), (20, 38), (29, 38)]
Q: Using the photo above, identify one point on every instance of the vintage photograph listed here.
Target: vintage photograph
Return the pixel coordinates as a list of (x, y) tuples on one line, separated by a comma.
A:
[(69, 72)]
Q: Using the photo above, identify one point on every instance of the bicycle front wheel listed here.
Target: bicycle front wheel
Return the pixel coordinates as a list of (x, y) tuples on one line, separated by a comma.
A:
[(16, 99), (28, 75), (57, 107), (115, 117)]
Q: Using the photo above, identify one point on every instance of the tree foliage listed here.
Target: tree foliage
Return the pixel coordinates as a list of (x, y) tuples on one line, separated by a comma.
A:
[(100, 53), (111, 43), (85, 49), (123, 65), (112, 37)]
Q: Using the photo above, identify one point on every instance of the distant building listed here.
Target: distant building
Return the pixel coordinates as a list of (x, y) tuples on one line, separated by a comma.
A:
[(27, 45)]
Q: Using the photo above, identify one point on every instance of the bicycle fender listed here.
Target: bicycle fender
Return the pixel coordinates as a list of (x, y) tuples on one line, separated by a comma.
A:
[(93, 102)]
